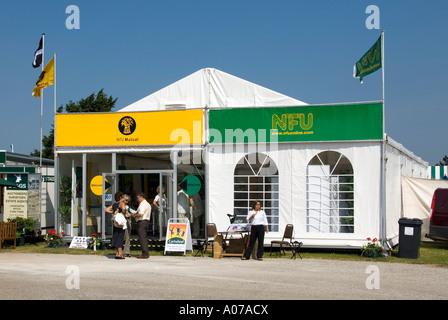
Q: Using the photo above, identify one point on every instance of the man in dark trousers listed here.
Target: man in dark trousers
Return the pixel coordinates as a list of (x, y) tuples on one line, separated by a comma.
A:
[(142, 218)]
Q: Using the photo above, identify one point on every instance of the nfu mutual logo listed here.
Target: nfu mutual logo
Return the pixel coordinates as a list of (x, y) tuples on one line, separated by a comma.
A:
[(127, 125)]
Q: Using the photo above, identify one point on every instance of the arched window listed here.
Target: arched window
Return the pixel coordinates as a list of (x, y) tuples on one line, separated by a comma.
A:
[(256, 178), (330, 190)]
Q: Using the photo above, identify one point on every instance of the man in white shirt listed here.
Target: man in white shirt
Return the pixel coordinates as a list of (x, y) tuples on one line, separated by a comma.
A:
[(142, 218)]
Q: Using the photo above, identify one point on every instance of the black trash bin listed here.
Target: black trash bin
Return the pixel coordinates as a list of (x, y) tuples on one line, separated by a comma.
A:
[(409, 238)]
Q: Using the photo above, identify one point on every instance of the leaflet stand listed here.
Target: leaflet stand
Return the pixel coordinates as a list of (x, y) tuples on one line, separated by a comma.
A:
[(178, 236)]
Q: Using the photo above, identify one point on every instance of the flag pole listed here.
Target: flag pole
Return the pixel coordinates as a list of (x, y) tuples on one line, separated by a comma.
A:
[(56, 165), (42, 102), (54, 56), (41, 122), (383, 195), (382, 72)]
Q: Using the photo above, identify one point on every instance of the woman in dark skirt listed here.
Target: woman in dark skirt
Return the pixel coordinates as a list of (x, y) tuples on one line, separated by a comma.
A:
[(119, 229), (118, 242)]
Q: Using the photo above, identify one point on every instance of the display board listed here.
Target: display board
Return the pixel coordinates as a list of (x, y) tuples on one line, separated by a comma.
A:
[(178, 236)]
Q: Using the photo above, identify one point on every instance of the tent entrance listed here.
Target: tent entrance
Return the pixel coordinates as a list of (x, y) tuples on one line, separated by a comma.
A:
[(158, 188)]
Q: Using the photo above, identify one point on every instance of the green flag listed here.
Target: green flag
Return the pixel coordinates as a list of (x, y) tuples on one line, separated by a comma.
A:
[(370, 62)]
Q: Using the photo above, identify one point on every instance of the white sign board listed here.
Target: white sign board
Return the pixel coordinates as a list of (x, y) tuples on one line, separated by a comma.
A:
[(80, 243), (15, 204), (178, 236)]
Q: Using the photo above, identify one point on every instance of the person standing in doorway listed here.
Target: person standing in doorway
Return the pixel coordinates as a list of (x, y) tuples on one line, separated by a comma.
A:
[(197, 215), (161, 203), (183, 205), (258, 224), (142, 218)]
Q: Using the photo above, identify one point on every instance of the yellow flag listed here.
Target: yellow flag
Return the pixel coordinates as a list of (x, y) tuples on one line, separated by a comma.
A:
[(46, 79)]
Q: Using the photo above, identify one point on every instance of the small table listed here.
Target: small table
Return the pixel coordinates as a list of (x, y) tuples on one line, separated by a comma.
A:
[(236, 246)]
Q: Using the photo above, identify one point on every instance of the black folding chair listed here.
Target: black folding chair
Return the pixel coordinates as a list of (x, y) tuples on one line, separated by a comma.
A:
[(295, 247), (200, 243)]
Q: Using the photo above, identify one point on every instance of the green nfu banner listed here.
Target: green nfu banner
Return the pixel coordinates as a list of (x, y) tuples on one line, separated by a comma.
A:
[(348, 122), (370, 62)]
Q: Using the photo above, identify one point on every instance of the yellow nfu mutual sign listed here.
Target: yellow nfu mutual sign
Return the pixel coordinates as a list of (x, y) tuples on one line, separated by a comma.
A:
[(129, 129)]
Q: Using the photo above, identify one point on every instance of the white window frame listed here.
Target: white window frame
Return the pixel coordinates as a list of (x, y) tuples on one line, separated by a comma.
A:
[(246, 191), (326, 202)]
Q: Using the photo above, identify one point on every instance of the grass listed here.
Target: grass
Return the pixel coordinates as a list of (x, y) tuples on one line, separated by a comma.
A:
[(431, 253), (434, 253)]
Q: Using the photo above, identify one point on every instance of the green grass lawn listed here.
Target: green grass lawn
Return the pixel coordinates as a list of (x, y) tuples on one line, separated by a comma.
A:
[(431, 253)]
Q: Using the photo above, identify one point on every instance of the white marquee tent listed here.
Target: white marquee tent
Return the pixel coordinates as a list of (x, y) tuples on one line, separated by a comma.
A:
[(214, 89), (290, 189)]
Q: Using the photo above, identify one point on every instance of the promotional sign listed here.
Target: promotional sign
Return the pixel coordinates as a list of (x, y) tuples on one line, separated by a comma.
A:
[(178, 236), (295, 124), (80, 242), (129, 129)]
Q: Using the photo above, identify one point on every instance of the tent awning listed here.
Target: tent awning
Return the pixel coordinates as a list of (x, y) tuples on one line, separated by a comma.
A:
[(6, 183)]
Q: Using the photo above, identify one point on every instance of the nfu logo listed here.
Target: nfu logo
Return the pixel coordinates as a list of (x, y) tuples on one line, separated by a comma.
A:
[(127, 125)]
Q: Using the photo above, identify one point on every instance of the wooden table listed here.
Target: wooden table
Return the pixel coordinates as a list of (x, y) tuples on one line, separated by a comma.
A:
[(234, 243)]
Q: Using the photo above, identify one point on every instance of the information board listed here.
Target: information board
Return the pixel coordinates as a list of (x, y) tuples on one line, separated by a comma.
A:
[(80, 243), (15, 204)]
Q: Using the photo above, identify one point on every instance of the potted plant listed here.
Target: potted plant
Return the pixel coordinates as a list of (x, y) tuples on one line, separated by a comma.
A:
[(96, 242), (20, 239), (24, 226), (372, 249), (65, 201), (53, 239)]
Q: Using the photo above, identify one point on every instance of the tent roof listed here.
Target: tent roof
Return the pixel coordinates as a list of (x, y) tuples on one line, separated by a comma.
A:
[(213, 88)]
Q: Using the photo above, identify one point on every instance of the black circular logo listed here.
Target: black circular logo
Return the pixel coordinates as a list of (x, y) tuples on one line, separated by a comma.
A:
[(127, 125)]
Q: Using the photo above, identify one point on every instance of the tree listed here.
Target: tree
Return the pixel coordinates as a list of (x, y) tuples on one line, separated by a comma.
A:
[(444, 161), (98, 103), (93, 103), (47, 146)]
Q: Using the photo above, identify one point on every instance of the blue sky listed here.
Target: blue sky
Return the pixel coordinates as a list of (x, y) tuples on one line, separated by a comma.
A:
[(303, 49)]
